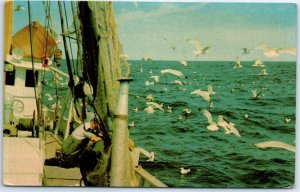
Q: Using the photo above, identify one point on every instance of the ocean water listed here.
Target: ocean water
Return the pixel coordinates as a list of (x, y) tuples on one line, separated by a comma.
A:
[(216, 160)]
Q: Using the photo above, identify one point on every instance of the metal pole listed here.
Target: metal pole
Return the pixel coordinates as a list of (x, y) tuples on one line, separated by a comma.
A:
[(120, 138)]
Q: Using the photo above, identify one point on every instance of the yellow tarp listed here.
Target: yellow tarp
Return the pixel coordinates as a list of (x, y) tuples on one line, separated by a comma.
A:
[(22, 40)]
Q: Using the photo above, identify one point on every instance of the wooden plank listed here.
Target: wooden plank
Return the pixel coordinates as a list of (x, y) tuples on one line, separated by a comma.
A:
[(150, 178)]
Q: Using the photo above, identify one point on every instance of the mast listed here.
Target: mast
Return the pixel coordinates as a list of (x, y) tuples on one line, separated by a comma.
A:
[(66, 48)]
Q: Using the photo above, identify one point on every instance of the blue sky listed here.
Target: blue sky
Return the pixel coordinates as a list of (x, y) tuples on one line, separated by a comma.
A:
[(153, 28)]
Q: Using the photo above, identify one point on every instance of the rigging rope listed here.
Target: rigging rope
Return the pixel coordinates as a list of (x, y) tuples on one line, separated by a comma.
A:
[(70, 45), (31, 51)]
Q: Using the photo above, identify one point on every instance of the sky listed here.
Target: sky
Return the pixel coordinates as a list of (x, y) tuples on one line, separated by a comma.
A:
[(160, 30), (153, 28)]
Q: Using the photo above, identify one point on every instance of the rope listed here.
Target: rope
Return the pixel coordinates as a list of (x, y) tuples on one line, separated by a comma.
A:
[(68, 29), (31, 52)]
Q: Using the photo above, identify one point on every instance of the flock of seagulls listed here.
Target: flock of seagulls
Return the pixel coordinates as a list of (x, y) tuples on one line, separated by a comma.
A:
[(221, 121)]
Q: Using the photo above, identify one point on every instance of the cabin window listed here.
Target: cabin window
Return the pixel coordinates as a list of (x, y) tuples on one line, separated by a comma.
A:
[(10, 77), (29, 81)]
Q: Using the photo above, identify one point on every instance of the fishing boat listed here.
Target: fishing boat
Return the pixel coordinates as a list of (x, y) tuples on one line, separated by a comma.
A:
[(97, 77)]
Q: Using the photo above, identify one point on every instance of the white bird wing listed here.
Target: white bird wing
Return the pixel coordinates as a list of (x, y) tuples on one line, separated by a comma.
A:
[(233, 130), (195, 43), (264, 47), (208, 115), (172, 71), (210, 90), (291, 51), (271, 53), (277, 144)]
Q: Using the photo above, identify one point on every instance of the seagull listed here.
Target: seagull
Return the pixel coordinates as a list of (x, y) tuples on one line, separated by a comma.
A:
[(276, 144), (210, 90), (177, 82), (149, 109), (184, 63), (258, 63), (147, 83), (155, 77), (246, 50), (172, 71), (169, 109), (19, 8), (131, 125), (255, 95), (263, 72), (184, 171), (287, 120), (212, 125), (179, 117), (237, 63), (187, 112), (270, 52), (204, 94), (198, 50), (150, 155), (146, 58), (228, 126), (155, 105), (135, 109), (149, 98)]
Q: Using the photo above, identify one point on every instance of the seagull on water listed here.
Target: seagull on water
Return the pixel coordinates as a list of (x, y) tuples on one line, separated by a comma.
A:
[(255, 95), (149, 98), (131, 125), (146, 58), (212, 125), (187, 112), (184, 171), (183, 63), (156, 105), (149, 109), (287, 120), (135, 109), (263, 72), (258, 63), (169, 109), (198, 49), (173, 72), (228, 126), (147, 83), (155, 77), (237, 63)]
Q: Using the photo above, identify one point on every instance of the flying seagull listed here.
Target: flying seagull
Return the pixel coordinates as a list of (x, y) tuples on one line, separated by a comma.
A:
[(173, 72), (198, 49), (19, 8), (276, 144), (212, 125)]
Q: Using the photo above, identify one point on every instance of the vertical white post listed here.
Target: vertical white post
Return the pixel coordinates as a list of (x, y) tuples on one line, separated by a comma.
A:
[(120, 138)]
